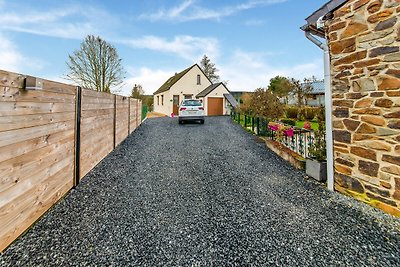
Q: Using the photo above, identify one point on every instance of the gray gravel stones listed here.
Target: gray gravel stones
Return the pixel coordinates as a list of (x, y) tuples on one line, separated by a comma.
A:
[(204, 195)]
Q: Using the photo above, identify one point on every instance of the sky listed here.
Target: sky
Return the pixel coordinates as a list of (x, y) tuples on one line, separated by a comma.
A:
[(250, 41)]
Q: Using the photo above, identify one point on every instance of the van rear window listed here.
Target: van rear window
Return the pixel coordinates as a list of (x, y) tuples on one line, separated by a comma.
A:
[(194, 103)]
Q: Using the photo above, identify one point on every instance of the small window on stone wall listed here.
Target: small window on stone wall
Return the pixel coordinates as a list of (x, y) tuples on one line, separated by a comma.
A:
[(198, 79), (158, 100), (162, 100)]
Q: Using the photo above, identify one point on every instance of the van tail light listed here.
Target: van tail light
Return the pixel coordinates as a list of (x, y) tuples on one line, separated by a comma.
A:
[(201, 108), (182, 109)]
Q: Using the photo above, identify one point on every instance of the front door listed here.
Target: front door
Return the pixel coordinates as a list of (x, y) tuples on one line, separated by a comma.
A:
[(175, 104)]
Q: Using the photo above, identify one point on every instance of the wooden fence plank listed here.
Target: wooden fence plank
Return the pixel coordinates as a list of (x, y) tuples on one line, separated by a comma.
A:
[(94, 154), (19, 135), (20, 185), (16, 170), (27, 121), (25, 108), (25, 147), (97, 128), (92, 93), (29, 207), (9, 94), (15, 80), (133, 115), (122, 118)]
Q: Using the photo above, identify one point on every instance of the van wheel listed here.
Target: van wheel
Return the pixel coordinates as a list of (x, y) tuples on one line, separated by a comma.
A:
[(202, 121)]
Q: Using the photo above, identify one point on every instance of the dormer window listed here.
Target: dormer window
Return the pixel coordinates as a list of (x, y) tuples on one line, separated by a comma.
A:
[(198, 79)]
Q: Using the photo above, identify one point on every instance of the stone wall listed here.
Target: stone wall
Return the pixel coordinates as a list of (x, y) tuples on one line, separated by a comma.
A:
[(364, 39)]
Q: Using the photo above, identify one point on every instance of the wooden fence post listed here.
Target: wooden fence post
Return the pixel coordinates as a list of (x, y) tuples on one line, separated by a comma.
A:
[(129, 115), (78, 113), (115, 119), (137, 114)]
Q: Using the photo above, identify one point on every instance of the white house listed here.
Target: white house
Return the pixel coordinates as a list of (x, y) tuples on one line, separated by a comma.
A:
[(192, 83), (317, 96), (314, 98)]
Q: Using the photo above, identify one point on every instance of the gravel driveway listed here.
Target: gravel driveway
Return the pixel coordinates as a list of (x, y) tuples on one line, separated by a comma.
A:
[(204, 195)]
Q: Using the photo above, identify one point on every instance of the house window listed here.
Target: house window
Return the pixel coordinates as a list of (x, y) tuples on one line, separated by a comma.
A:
[(198, 79), (158, 100), (162, 100), (188, 96)]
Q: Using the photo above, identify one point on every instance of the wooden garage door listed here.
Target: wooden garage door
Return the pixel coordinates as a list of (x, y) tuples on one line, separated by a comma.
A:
[(215, 106)]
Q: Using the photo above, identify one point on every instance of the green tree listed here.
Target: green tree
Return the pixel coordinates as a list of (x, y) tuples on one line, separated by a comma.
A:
[(148, 101), (96, 65), (281, 87), (209, 69), (266, 104), (137, 91)]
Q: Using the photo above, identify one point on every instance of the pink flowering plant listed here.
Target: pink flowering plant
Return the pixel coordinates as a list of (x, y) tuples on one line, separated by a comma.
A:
[(307, 125), (281, 130)]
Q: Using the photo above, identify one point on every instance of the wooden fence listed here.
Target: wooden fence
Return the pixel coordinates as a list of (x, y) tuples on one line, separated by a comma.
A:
[(50, 138)]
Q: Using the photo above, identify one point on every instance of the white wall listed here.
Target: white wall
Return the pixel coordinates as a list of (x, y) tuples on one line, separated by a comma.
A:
[(217, 92), (167, 107), (317, 102), (186, 85)]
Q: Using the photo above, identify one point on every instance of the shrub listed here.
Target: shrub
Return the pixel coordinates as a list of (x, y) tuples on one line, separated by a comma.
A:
[(291, 112), (309, 113), (291, 122), (318, 147)]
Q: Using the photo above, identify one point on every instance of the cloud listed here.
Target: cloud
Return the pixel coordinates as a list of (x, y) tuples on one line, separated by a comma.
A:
[(72, 22), (188, 11), (185, 46), (170, 14), (13, 60), (150, 79), (247, 71)]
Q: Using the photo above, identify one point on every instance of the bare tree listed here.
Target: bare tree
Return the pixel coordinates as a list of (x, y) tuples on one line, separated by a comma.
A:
[(209, 69), (96, 65), (300, 91)]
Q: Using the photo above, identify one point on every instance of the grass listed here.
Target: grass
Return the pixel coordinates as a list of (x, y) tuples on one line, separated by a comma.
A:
[(314, 125), (299, 124)]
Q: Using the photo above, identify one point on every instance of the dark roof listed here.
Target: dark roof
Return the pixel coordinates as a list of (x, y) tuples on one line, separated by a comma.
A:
[(321, 12), (231, 100), (172, 80), (209, 89)]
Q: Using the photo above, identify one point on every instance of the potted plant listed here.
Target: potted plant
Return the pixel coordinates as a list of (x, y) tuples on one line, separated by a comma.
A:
[(316, 161)]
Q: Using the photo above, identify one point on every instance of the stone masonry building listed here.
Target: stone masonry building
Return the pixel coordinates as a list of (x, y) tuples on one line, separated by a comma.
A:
[(364, 39)]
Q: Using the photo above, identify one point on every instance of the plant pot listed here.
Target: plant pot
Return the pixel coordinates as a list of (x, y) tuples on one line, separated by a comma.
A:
[(316, 169)]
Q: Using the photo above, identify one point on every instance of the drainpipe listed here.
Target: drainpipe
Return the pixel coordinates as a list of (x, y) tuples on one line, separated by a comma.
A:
[(328, 109)]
